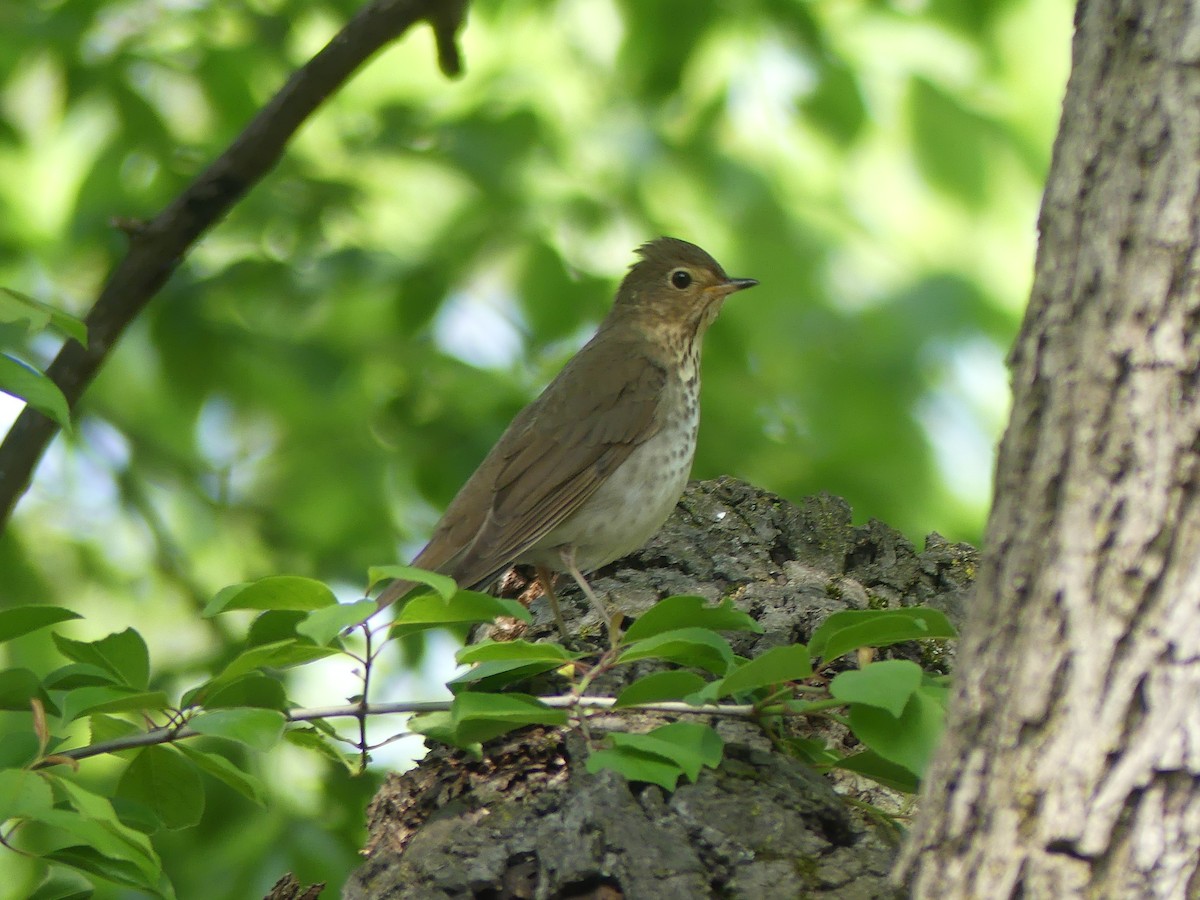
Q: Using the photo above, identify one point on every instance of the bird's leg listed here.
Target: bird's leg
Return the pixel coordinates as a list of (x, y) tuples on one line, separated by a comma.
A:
[(546, 579), (567, 553)]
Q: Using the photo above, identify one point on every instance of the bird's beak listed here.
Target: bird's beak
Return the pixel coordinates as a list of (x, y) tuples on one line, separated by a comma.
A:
[(737, 284)]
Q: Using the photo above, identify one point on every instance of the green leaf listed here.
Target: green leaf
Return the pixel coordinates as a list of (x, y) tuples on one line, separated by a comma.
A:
[(103, 865), (492, 676), (77, 675), (488, 651), (465, 608), (15, 307), (690, 612), (63, 884), (21, 620), (813, 751), (658, 686), (162, 780), (23, 794), (888, 774), (110, 699), (259, 729), (109, 728), (496, 664), (253, 689), (275, 625), (443, 585), (223, 770), (636, 765), (439, 726), (311, 738), (280, 655), (18, 307), (776, 666), (686, 744), (273, 592), (949, 140), (95, 822), (907, 740), (18, 749), (476, 718), (686, 646), (28, 384), (836, 103), (848, 630), (123, 655), (886, 684), (18, 687), (323, 625)]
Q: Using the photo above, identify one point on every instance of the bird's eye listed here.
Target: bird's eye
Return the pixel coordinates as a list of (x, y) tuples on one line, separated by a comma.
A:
[(681, 278)]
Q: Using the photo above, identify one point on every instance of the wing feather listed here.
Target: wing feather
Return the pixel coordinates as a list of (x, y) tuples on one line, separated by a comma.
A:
[(541, 471)]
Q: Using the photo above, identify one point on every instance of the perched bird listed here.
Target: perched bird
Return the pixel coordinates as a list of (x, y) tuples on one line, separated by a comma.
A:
[(590, 470)]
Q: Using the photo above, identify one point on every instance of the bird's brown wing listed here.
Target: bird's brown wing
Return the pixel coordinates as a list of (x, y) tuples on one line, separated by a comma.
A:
[(552, 458)]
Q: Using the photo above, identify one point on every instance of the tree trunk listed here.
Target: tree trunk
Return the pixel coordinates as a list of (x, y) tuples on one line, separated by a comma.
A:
[(1071, 766), (528, 821)]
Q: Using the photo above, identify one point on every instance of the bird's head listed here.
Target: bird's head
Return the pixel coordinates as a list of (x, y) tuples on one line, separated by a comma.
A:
[(675, 287)]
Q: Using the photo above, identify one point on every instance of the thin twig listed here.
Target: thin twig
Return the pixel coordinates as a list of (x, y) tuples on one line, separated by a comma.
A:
[(359, 710), (362, 700)]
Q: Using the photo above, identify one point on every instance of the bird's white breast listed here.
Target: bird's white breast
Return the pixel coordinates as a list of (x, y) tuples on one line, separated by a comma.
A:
[(632, 503)]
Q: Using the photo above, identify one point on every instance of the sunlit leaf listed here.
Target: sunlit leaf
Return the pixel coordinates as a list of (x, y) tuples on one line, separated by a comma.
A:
[(123, 655), (887, 684), (636, 765), (489, 651), (776, 666), (15, 306), (28, 384), (686, 646), (690, 746), (23, 794), (848, 630), (907, 740), (20, 620), (690, 612), (280, 655), (476, 718), (259, 729), (465, 608), (91, 700), (283, 592), (659, 686), (445, 587), (323, 625)]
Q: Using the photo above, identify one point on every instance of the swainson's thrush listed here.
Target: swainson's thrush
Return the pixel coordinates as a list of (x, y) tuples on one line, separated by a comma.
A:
[(588, 471)]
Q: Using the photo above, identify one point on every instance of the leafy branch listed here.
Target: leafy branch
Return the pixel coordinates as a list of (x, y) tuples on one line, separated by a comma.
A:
[(686, 671), (159, 245)]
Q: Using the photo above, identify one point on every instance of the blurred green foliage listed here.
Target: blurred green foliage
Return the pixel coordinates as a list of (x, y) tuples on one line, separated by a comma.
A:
[(331, 362)]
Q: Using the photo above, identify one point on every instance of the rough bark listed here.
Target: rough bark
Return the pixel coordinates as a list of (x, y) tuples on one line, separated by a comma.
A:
[(1072, 763), (528, 821)]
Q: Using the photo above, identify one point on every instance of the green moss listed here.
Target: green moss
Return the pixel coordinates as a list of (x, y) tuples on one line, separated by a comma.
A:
[(806, 867)]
